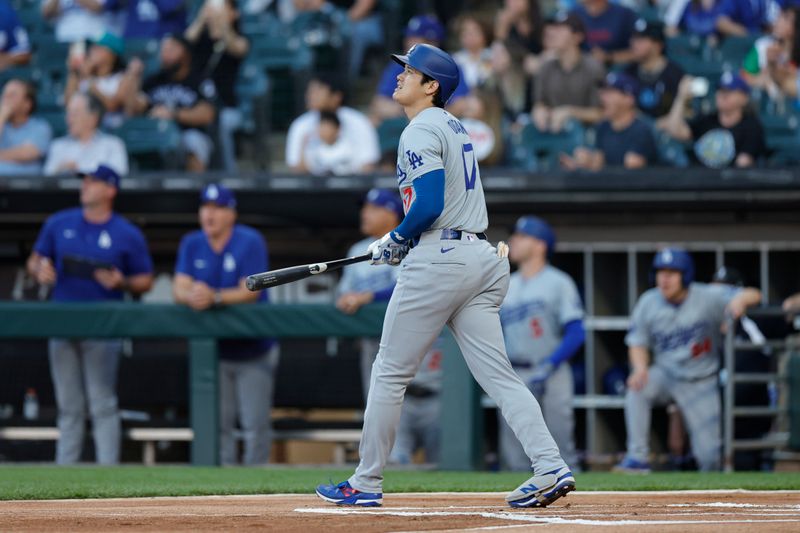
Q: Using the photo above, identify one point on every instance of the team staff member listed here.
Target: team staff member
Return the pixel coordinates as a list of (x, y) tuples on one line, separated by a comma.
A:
[(679, 322), (451, 276), (211, 269), (542, 319), (420, 420), (89, 254)]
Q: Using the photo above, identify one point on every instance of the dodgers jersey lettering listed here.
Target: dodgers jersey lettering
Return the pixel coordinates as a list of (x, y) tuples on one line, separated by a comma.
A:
[(436, 140), (535, 311), (683, 339)]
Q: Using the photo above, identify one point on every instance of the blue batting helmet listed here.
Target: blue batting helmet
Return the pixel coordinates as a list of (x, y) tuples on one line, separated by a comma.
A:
[(436, 64), (539, 229), (675, 259)]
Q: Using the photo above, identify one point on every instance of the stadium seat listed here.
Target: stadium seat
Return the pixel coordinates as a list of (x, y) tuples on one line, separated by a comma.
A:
[(533, 150), (151, 143), (57, 120), (145, 49), (782, 138), (253, 93), (50, 63), (389, 132), (732, 51)]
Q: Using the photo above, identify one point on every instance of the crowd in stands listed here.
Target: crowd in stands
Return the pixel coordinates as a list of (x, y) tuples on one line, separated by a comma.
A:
[(546, 84)]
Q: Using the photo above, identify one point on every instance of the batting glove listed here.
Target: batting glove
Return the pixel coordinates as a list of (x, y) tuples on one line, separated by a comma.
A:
[(388, 250)]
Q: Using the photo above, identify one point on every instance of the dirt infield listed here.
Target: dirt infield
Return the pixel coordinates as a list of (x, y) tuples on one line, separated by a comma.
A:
[(696, 511)]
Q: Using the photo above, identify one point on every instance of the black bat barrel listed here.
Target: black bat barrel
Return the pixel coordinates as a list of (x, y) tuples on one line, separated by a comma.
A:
[(257, 282)]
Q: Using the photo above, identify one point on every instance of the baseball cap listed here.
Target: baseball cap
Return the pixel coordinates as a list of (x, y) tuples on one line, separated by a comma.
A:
[(103, 173), (427, 27), (569, 19), (649, 28), (112, 42), (386, 199), (218, 195), (729, 276), (622, 82), (733, 82)]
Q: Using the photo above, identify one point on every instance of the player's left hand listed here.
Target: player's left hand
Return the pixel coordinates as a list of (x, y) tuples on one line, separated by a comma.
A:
[(201, 296), (387, 251), (110, 278)]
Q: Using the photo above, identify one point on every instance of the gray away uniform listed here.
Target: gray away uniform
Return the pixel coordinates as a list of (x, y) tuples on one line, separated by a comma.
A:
[(420, 420), (459, 283), (684, 342), (533, 315)]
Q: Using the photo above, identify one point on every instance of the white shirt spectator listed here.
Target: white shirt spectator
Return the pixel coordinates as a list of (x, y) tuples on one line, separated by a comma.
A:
[(101, 149), (356, 130), (338, 159), (75, 22), (474, 71)]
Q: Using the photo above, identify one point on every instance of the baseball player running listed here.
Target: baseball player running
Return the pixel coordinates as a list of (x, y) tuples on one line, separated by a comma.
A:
[(680, 323), (450, 276), (542, 319)]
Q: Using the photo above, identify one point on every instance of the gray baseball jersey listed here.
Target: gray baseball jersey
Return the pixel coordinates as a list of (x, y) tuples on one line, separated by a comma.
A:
[(683, 339), (461, 285), (435, 140), (535, 311)]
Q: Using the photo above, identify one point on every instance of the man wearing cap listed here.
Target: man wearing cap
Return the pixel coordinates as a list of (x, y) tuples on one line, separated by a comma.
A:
[(420, 29), (658, 76), (731, 135), (542, 317), (623, 140), (100, 73), (89, 254), (213, 263), (85, 146), (566, 87), (176, 93), (361, 284)]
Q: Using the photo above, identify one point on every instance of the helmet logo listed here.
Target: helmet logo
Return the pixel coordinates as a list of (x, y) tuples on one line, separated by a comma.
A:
[(666, 256)]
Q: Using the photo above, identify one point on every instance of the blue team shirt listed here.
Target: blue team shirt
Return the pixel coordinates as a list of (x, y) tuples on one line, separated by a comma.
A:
[(245, 254), (752, 14), (610, 31), (35, 131), (13, 37), (118, 242), (151, 19), (388, 83)]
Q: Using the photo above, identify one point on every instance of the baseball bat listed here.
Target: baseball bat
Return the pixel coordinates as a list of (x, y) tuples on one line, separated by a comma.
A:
[(273, 278)]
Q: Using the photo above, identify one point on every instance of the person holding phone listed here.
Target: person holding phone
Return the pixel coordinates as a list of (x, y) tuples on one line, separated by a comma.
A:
[(89, 253)]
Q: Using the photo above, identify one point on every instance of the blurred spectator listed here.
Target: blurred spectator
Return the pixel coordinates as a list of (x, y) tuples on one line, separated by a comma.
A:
[(567, 86), (23, 138), (85, 146), (742, 17), (608, 30), (151, 19), (694, 17), (210, 271), (218, 52), (366, 29), (15, 48), (420, 29), (771, 64), (329, 152), (516, 53), (100, 74), (658, 76), (474, 59), (89, 254), (361, 284), (325, 92), (623, 140), (176, 93), (730, 135), (78, 20)]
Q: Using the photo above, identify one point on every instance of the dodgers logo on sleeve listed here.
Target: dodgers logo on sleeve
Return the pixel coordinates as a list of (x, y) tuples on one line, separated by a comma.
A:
[(401, 176), (414, 160)]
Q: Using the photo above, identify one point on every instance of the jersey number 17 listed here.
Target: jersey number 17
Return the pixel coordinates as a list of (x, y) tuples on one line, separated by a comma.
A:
[(469, 177)]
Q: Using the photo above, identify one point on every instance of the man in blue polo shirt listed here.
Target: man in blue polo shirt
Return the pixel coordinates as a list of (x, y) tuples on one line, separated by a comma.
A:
[(210, 271), (609, 28), (89, 253)]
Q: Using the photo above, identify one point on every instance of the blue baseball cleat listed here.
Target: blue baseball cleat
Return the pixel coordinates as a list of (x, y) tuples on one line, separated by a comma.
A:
[(542, 490), (344, 494), (630, 465)]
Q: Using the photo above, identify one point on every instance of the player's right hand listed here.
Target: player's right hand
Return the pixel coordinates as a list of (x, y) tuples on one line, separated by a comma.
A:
[(45, 272), (387, 251), (638, 379)]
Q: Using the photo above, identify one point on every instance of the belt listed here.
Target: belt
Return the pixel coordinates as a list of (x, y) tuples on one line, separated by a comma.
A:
[(418, 391), (455, 235), (521, 364)]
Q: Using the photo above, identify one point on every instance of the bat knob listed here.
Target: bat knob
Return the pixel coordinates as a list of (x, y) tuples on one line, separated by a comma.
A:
[(251, 283)]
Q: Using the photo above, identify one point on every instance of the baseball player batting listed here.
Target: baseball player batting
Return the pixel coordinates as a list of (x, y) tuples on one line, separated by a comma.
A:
[(450, 275)]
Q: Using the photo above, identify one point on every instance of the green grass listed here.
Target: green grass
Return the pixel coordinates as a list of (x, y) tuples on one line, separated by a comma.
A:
[(50, 482)]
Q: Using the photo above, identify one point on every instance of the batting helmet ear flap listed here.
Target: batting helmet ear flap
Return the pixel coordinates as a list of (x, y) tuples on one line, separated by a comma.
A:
[(673, 259)]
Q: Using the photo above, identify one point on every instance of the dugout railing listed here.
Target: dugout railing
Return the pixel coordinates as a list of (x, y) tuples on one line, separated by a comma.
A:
[(42, 320), (766, 395)]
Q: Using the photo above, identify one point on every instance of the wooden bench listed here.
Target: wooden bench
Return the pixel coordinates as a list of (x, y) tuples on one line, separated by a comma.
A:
[(150, 436)]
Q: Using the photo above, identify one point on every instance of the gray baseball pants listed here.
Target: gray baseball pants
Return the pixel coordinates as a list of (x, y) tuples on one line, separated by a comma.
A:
[(463, 288)]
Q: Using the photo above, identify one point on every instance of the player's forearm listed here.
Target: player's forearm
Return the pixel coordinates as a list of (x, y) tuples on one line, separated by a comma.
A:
[(574, 336), (20, 154), (588, 115), (139, 283), (749, 297), (639, 358), (236, 296), (428, 205)]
